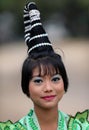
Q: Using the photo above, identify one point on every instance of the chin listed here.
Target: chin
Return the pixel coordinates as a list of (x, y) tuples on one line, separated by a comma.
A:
[(48, 106)]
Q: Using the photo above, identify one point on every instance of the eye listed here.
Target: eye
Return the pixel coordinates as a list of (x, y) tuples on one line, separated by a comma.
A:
[(37, 80), (56, 78)]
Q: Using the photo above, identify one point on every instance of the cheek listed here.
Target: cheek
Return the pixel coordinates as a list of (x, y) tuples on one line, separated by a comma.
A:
[(60, 88), (32, 94), (33, 91)]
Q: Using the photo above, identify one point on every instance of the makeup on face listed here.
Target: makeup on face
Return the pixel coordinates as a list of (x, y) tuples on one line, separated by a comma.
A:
[(39, 79)]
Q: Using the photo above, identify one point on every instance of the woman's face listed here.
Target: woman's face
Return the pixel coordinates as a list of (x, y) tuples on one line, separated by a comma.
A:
[(46, 90)]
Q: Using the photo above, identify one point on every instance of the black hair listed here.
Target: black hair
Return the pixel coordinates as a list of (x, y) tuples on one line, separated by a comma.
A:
[(49, 62)]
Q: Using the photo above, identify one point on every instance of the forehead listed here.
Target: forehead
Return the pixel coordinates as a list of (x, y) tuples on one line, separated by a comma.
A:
[(35, 71)]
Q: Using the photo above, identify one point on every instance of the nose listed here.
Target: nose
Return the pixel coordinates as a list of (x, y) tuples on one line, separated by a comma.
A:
[(48, 87)]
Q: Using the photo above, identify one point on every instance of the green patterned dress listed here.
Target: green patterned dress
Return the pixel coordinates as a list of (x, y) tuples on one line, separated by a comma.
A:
[(65, 122)]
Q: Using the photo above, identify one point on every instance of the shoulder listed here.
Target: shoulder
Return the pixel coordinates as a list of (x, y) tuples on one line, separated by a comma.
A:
[(8, 125), (28, 122), (5, 125), (79, 121), (21, 124)]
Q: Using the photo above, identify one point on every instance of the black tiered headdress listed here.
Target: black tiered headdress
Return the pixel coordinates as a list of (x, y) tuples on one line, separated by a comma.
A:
[(35, 36)]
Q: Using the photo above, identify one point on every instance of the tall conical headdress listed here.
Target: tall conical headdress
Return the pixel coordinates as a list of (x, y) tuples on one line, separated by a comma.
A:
[(35, 35)]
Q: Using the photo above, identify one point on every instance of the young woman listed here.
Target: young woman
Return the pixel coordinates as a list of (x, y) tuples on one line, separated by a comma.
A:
[(44, 81)]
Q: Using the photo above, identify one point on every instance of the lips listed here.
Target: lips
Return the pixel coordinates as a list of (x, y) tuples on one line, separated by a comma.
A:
[(48, 98)]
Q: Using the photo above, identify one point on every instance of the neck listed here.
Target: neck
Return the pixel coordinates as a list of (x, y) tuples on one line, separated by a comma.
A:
[(48, 116)]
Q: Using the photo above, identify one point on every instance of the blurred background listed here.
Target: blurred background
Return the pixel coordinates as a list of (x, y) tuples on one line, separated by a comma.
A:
[(67, 23)]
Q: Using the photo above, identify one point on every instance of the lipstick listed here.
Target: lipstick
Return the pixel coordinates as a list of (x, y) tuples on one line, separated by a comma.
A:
[(49, 98)]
